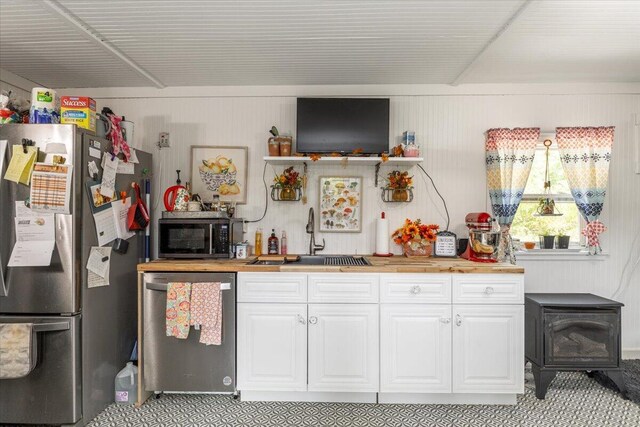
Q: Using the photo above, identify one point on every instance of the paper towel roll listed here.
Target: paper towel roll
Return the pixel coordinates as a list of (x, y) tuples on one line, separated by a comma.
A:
[(382, 235), (45, 106)]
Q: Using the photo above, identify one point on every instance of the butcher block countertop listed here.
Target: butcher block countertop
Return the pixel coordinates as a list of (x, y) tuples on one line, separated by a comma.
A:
[(395, 264)]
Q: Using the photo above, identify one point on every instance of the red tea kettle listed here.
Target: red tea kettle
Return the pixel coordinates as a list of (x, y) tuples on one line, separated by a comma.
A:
[(173, 196)]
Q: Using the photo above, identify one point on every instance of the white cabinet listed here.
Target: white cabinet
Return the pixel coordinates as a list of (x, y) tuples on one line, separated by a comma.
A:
[(488, 349), (343, 347), (343, 288), (415, 343), (272, 347)]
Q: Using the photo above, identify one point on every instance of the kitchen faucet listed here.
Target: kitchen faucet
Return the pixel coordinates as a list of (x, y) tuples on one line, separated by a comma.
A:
[(310, 230)]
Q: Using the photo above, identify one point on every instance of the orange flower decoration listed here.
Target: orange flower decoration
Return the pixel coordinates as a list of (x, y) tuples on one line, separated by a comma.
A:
[(415, 230)]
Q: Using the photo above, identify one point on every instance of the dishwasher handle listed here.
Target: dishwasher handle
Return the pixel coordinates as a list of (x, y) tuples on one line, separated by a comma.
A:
[(162, 287)]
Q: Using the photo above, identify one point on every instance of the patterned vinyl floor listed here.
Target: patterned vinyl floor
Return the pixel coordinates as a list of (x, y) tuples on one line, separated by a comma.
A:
[(573, 400)]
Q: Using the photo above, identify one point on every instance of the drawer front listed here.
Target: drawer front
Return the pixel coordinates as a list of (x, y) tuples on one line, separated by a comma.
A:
[(343, 288), (415, 288), (272, 287), (488, 289)]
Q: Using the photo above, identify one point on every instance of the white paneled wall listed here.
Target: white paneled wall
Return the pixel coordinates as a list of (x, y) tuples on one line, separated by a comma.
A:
[(450, 130)]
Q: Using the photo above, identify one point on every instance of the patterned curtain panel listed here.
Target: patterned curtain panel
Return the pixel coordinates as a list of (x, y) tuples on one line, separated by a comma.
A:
[(585, 154), (509, 154)]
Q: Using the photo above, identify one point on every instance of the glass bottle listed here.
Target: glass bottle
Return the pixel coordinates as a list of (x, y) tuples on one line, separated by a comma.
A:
[(257, 249), (283, 243), (272, 244)]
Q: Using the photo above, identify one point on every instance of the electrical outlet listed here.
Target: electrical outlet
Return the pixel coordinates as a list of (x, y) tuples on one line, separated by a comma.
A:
[(164, 140)]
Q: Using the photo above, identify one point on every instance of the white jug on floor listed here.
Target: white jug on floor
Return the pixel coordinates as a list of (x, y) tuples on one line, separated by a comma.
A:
[(127, 385)]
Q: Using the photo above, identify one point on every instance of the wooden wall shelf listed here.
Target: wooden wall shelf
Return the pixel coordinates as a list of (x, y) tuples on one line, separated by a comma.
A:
[(357, 161)]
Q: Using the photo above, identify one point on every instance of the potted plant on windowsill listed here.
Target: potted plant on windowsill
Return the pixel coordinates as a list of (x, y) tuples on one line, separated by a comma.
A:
[(547, 241), (563, 241)]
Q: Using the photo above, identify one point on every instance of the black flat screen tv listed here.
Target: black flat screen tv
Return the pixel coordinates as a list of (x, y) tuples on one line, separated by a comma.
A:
[(327, 125)]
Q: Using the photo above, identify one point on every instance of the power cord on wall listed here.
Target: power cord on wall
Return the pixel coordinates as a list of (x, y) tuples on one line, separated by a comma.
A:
[(438, 193), (266, 195)]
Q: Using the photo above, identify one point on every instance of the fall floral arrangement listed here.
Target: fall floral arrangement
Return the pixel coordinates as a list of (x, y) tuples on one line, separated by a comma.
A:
[(288, 179), (415, 237), (400, 180)]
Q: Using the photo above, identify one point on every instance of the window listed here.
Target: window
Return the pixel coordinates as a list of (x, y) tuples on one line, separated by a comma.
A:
[(527, 226)]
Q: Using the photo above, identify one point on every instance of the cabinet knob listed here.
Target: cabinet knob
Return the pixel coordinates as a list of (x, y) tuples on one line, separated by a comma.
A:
[(416, 290), (458, 320), (301, 319), (445, 320), (313, 320), (488, 290)]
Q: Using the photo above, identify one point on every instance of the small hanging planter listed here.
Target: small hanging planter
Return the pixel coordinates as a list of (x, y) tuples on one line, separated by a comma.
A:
[(285, 194), (546, 205), (397, 195)]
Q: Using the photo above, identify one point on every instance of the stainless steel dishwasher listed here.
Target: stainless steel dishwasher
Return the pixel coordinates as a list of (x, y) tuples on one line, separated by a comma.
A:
[(184, 365)]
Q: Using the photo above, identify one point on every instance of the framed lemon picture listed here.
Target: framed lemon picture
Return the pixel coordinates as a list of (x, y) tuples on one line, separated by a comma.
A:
[(219, 170), (340, 204)]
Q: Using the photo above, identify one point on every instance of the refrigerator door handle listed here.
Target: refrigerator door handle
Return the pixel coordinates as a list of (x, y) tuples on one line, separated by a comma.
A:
[(51, 327)]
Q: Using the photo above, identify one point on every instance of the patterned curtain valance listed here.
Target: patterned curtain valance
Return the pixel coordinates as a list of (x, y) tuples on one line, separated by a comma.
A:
[(585, 153), (509, 154)]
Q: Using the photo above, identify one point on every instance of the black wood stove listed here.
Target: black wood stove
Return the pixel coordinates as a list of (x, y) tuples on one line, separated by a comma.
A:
[(572, 332)]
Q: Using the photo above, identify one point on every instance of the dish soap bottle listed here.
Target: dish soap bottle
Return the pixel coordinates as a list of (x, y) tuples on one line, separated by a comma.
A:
[(257, 249), (272, 244), (283, 243)]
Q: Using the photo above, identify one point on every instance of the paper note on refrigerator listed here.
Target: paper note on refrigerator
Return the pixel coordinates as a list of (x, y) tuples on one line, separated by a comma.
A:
[(19, 168), (35, 238), (105, 226), (120, 212), (133, 157), (109, 171), (32, 254), (126, 168), (51, 188), (35, 228), (98, 267), (98, 262)]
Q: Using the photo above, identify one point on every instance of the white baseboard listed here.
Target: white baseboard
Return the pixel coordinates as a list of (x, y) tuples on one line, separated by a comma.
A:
[(306, 396), (631, 353), (448, 398)]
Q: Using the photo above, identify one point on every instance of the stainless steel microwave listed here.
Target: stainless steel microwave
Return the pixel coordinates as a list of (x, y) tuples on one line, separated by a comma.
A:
[(198, 237)]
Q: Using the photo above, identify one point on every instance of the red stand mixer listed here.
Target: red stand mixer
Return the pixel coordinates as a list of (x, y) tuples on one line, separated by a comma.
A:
[(483, 240)]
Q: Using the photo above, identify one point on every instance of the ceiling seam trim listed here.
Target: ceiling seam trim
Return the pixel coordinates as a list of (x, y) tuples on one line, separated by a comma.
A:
[(492, 40), (100, 40)]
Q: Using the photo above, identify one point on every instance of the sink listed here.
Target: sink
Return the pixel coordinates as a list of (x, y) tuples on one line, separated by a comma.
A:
[(336, 260), (265, 262), (333, 260)]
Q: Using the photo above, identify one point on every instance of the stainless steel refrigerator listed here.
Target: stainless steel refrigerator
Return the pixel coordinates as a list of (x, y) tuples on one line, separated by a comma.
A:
[(83, 336)]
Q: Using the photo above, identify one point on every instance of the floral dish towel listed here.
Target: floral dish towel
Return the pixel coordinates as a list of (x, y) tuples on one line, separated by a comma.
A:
[(178, 309)]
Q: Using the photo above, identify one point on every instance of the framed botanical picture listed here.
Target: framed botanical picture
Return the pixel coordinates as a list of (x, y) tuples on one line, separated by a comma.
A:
[(340, 204), (221, 170)]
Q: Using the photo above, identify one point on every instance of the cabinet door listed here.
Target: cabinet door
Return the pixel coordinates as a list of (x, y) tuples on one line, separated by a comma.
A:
[(343, 347), (488, 349), (416, 348), (272, 347)]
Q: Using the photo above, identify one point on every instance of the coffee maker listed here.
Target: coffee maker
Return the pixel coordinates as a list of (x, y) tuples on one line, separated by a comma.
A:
[(483, 240)]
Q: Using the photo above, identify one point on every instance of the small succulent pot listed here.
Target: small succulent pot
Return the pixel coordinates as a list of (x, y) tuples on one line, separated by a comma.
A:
[(547, 242), (563, 242)]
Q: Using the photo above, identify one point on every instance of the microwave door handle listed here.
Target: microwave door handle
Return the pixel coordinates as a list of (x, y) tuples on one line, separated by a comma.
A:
[(210, 239)]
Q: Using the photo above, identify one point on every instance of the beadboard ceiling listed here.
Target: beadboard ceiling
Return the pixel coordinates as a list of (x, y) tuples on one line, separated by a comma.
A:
[(120, 43)]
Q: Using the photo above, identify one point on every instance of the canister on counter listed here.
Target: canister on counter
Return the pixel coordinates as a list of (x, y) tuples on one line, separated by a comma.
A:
[(242, 250)]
